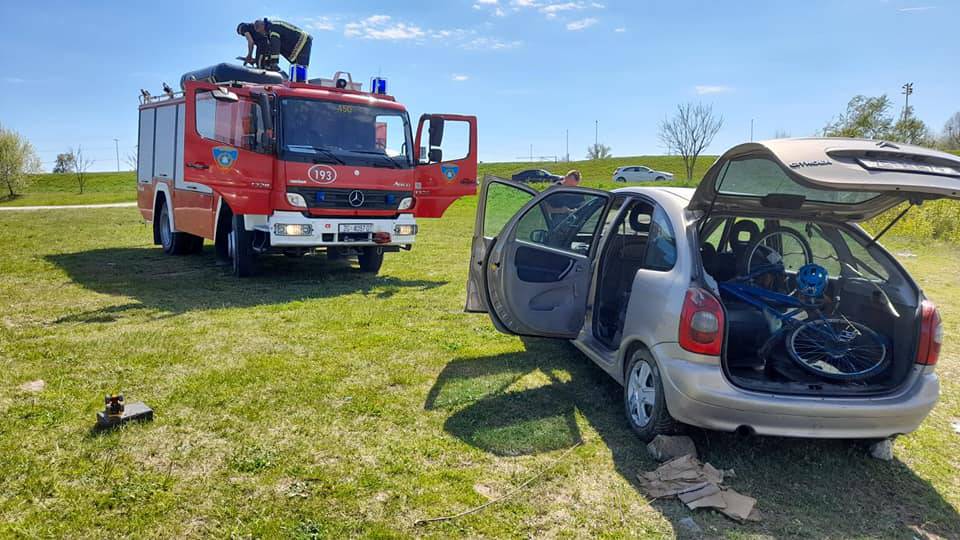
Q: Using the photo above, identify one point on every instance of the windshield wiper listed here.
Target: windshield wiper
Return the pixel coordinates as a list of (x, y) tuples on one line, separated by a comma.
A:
[(393, 161), (325, 152)]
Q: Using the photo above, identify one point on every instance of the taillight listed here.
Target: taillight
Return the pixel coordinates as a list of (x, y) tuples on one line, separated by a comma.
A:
[(701, 323), (931, 334)]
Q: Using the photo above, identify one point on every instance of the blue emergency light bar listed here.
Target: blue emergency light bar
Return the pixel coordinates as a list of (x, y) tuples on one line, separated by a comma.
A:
[(378, 85)]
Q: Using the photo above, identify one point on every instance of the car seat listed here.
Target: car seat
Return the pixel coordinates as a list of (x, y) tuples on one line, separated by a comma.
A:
[(741, 245)]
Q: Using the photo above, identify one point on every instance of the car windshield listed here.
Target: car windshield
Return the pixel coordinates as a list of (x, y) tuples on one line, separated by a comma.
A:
[(345, 134)]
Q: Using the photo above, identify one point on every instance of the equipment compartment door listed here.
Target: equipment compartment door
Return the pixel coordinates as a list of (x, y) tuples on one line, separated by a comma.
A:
[(446, 154)]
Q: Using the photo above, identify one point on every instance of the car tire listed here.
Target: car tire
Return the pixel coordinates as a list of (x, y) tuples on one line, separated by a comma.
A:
[(241, 248), (175, 243), (370, 259), (660, 179), (643, 399), (621, 179)]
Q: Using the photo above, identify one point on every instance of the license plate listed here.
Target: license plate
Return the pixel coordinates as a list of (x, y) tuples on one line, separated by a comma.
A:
[(900, 165), (356, 227)]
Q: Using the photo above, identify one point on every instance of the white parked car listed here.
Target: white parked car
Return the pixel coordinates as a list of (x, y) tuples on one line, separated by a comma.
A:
[(639, 173)]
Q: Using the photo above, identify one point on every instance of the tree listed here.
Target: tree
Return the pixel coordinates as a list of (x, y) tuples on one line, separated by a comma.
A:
[(690, 132), (64, 163), (598, 151), (951, 132), (865, 118), (80, 167), (912, 130), (17, 162), (781, 134), (131, 160)]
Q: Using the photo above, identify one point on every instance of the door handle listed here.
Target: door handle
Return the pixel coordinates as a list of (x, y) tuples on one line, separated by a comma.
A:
[(198, 165)]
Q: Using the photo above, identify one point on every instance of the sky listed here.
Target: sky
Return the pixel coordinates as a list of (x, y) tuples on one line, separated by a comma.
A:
[(533, 71)]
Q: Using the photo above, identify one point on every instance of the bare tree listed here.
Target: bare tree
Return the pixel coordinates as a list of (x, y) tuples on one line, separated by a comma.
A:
[(689, 132), (131, 159), (80, 167), (781, 134), (598, 151), (17, 162), (951, 132)]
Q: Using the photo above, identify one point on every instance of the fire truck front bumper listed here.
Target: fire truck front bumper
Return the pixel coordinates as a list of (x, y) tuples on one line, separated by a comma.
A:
[(293, 229)]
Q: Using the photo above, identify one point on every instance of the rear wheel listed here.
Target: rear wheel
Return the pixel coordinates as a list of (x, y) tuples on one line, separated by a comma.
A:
[(175, 243), (621, 179), (660, 179), (643, 399), (240, 245), (371, 258)]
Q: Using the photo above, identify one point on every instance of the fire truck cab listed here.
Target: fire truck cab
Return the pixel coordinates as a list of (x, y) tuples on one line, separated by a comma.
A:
[(261, 165)]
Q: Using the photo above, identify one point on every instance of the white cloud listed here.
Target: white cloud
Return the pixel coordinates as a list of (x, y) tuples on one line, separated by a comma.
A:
[(917, 8), (382, 27), (490, 44), (576, 26), (487, 2), (324, 24), (711, 89), (459, 78), (620, 30), (14, 80)]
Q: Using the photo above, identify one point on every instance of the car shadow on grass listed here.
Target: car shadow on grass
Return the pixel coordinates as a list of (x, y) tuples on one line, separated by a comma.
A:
[(804, 488), (180, 284)]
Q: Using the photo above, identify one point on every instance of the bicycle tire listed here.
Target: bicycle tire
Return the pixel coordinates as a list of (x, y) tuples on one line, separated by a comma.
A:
[(787, 231), (815, 352)]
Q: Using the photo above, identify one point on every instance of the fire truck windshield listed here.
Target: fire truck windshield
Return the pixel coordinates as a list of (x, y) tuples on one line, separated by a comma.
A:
[(328, 132)]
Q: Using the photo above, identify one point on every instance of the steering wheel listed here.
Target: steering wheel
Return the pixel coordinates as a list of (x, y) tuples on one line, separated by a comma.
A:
[(766, 254)]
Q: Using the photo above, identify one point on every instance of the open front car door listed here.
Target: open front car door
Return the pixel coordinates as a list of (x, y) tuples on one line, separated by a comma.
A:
[(446, 162), (533, 272)]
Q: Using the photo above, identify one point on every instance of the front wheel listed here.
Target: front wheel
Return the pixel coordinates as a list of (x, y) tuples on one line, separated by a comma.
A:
[(240, 247), (370, 259), (643, 399), (838, 349), (660, 179), (621, 179)]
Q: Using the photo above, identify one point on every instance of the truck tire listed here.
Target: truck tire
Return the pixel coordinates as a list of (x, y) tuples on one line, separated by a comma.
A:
[(241, 248), (175, 243), (643, 400), (371, 258)]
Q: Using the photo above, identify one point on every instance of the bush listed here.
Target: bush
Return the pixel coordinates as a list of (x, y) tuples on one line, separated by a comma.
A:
[(939, 220), (17, 162)]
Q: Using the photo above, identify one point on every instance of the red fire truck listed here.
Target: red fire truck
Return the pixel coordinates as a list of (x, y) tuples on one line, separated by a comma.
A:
[(261, 165)]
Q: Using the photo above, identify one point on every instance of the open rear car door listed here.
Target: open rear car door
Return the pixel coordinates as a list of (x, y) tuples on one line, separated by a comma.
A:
[(531, 268), (826, 178), (446, 162)]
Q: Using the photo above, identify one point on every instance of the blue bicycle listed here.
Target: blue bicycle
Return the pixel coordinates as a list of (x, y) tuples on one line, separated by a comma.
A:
[(832, 347)]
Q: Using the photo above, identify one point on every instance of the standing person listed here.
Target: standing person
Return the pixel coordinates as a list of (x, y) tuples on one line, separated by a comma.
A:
[(287, 40), (254, 39)]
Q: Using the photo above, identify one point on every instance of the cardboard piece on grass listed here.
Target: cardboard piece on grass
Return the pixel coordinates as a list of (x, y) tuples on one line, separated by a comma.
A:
[(698, 486), (33, 386)]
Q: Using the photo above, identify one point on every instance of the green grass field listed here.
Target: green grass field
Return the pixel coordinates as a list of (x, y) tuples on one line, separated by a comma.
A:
[(313, 401), (60, 189)]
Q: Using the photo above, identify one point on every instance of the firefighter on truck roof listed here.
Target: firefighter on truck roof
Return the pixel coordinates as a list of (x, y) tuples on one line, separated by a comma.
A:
[(284, 39), (254, 39)]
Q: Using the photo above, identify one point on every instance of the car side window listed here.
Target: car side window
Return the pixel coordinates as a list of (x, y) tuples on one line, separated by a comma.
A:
[(238, 123), (661, 243), (502, 202), (564, 220)]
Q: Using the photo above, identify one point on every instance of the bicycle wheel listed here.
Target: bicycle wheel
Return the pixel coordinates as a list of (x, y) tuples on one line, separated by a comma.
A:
[(838, 349), (781, 246)]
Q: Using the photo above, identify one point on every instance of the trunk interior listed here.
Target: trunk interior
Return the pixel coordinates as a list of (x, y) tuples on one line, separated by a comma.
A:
[(864, 282)]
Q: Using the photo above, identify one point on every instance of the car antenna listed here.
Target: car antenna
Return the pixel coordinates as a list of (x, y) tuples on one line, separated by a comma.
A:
[(913, 202)]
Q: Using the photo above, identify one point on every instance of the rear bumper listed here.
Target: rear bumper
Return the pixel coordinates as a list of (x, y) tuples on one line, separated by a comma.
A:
[(326, 231), (697, 393)]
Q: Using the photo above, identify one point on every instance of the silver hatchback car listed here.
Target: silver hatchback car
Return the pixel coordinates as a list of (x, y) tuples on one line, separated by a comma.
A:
[(754, 302)]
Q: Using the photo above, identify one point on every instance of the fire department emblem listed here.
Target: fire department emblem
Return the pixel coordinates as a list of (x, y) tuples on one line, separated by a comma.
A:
[(225, 156), (449, 171)]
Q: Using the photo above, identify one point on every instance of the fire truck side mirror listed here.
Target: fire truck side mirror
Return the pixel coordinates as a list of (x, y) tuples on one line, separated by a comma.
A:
[(435, 155), (436, 132)]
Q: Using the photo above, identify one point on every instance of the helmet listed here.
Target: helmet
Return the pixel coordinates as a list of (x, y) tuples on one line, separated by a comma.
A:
[(812, 280)]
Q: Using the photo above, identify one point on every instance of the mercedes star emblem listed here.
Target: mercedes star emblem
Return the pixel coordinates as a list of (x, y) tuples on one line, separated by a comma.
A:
[(355, 198)]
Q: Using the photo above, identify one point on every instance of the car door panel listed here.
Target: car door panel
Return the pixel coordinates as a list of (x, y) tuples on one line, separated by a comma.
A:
[(539, 289), (502, 199)]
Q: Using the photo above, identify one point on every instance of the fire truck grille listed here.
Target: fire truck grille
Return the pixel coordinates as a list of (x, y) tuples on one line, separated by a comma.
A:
[(351, 199)]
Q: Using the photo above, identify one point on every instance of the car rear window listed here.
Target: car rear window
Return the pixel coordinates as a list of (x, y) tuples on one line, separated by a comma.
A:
[(758, 177)]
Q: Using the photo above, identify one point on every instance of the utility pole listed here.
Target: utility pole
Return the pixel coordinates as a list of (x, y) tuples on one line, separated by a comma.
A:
[(907, 90), (751, 130), (568, 145), (596, 133), (116, 143), (531, 152)]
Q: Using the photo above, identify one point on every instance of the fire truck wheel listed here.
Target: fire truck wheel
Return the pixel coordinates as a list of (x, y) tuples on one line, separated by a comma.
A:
[(175, 243), (241, 248), (371, 258)]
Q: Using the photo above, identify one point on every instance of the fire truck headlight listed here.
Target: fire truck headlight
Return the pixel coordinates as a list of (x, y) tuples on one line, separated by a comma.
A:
[(292, 229), (406, 203), (405, 230), (296, 199)]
